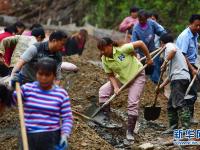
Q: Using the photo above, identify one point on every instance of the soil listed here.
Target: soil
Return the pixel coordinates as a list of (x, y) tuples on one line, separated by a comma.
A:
[(83, 89)]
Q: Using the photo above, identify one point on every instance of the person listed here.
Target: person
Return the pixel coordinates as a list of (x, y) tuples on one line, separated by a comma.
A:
[(21, 43), (145, 30), (28, 32), (130, 21), (121, 65), (24, 71), (20, 27), (154, 16), (179, 78), (75, 44), (188, 44), (48, 115), (8, 31)]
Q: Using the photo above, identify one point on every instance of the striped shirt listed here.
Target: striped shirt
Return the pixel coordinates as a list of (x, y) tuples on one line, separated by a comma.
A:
[(46, 110)]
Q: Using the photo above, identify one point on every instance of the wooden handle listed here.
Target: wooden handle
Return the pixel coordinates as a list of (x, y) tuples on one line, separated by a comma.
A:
[(191, 83), (126, 35), (21, 117), (159, 82), (151, 54)]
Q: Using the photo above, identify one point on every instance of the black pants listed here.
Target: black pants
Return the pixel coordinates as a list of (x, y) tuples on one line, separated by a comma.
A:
[(4, 70), (178, 89), (43, 140)]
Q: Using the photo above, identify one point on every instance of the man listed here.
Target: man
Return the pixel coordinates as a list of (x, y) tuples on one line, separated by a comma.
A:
[(179, 77), (24, 70), (187, 42)]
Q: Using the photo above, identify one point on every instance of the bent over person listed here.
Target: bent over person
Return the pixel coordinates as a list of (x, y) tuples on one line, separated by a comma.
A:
[(121, 65)]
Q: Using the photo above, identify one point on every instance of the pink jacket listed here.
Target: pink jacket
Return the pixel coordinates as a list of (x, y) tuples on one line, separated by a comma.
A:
[(126, 23)]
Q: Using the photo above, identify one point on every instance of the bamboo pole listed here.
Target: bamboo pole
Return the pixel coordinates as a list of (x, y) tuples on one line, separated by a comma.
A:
[(21, 116)]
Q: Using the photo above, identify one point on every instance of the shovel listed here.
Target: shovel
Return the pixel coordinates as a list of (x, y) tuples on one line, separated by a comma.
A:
[(153, 112), (126, 84), (114, 126)]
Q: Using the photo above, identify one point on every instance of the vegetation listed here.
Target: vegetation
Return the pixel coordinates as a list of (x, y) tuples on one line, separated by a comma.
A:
[(173, 14)]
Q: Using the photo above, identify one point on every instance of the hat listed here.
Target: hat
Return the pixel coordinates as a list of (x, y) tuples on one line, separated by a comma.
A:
[(38, 32)]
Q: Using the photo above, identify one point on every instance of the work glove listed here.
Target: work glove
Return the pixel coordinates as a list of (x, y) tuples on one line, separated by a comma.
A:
[(63, 144)]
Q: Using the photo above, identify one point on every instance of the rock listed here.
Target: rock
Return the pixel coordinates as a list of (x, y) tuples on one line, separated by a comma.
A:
[(146, 146)]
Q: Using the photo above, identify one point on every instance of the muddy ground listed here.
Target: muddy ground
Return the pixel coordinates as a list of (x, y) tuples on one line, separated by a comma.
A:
[(83, 89)]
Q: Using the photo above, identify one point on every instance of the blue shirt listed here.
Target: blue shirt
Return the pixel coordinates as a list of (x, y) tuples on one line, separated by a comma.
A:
[(187, 42), (147, 35)]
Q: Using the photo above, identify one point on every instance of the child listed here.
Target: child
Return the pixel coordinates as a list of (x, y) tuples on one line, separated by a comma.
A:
[(119, 60), (45, 104), (178, 75)]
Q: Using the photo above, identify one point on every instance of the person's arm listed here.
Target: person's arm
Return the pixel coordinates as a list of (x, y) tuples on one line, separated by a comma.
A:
[(169, 57), (144, 49), (183, 43), (8, 42), (134, 36), (165, 82), (114, 82), (66, 116), (125, 25), (191, 68), (159, 30)]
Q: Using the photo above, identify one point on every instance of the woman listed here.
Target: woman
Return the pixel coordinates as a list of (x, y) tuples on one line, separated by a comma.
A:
[(121, 65)]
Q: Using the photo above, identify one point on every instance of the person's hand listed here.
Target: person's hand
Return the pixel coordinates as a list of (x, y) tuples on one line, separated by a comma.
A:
[(2, 60), (157, 89), (194, 72), (116, 90), (163, 67), (149, 61), (63, 143), (130, 25)]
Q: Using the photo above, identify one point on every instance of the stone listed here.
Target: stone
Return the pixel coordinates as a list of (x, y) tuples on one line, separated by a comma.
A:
[(146, 146)]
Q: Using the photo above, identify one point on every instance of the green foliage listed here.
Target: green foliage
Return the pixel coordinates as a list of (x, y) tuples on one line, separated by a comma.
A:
[(174, 14)]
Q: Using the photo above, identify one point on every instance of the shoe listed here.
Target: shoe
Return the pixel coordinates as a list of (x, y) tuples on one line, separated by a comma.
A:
[(194, 121), (129, 136), (130, 127)]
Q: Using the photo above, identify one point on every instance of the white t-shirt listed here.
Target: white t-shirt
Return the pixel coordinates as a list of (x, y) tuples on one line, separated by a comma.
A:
[(178, 68)]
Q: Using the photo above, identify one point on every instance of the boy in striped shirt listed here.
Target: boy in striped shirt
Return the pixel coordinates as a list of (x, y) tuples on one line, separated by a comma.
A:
[(47, 110)]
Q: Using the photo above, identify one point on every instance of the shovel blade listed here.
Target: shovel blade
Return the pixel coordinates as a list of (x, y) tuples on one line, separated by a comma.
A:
[(152, 113)]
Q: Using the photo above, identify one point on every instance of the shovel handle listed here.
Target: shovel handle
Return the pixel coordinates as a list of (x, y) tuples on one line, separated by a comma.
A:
[(127, 83), (151, 54), (159, 83), (126, 35), (21, 116), (192, 82)]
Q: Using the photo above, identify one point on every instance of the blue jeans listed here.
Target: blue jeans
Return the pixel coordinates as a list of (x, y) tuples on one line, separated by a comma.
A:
[(156, 72)]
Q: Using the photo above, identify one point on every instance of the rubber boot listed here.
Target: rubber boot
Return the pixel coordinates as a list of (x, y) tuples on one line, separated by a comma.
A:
[(130, 127), (173, 121), (106, 112), (184, 116), (192, 120)]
